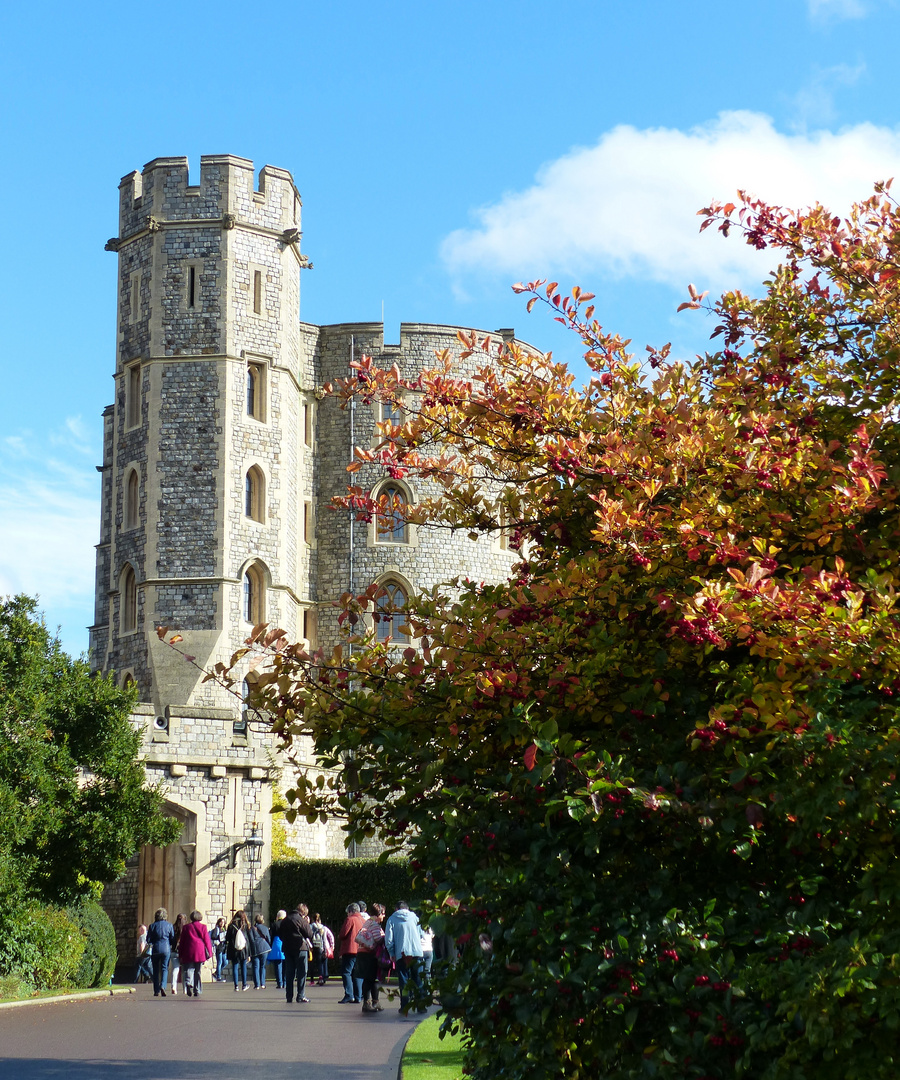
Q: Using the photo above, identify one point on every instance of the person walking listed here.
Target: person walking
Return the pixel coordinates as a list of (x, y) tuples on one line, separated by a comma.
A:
[(367, 960), (348, 950), (403, 941), (218, 936), (260, 947), (276, 955), (323, 949), (195, 947), (161, 939), (237, 945), (144, 968), (176, 955), (296, 940)]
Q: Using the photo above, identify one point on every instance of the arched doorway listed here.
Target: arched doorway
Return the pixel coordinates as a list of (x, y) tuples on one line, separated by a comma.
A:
[(167, 876)]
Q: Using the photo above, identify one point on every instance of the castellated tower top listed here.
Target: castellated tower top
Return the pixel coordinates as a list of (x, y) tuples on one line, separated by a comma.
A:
[(161, 192)]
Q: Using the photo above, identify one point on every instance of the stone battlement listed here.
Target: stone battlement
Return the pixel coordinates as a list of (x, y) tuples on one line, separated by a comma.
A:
[(162, 193)]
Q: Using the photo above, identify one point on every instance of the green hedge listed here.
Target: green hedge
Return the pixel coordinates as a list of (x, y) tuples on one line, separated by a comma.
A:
[(40, 945), (99, 958), (329, 885)]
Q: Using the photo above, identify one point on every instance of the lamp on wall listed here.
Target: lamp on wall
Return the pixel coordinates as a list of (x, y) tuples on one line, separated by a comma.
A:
[(253, 845)]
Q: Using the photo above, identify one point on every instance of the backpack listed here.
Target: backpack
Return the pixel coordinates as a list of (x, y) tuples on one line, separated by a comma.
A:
[(318, 938), (240, 942)]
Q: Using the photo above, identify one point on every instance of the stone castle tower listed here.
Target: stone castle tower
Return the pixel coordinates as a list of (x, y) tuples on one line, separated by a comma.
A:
[(220, 462)]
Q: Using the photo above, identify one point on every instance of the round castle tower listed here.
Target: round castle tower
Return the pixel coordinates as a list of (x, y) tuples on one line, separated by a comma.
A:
[(220, 463)]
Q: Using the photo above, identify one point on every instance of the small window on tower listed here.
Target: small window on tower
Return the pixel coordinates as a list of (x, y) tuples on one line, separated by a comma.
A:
[(255, 494), (308, 424), (254, 594), (192, 287), (307, 523), (310, 627), (391, 526), (256, 391), (135, 312), (257, 292), (390, 412), (133, 396), (132, 501), (128, 594)]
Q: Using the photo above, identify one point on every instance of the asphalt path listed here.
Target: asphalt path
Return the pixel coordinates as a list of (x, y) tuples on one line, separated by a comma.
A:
[(222, 1035)]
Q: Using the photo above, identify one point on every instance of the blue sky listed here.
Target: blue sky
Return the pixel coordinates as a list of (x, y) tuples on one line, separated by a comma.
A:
[(442, 151)]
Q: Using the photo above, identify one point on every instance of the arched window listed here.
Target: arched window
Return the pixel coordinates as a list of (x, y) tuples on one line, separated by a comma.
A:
[(254, 594), (389, 617), (390, 525), (128, 593), (256, 390), (255, 494), (132, 500)]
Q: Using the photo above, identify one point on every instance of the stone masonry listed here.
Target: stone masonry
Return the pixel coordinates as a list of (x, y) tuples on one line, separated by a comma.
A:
[(221, 459)]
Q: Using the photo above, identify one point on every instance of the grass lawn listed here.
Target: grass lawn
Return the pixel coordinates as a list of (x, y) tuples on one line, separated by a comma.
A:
[(13, 990), (428, 1057)]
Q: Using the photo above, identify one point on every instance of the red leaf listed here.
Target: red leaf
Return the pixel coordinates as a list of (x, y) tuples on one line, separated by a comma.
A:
[(551, 287), (531, 303), (530, 755)]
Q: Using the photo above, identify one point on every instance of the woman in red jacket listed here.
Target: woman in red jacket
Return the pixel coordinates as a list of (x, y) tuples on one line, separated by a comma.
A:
[(194, 948)]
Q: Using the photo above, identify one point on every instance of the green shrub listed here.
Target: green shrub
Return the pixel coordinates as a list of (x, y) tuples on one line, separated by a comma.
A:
[(329, 885), (40, 945), (99, 958)]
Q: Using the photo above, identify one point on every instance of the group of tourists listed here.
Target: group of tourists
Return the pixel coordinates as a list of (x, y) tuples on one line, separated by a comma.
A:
[(370, 945)]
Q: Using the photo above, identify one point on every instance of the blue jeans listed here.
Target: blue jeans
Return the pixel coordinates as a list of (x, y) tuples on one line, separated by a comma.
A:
[(295, 967), (221, 960), (160, 972), (408, 968), (278, 968), (239, 967), (259, 970), (352, 983)]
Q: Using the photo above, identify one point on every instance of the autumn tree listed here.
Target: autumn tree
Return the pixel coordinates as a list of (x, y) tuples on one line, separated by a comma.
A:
[(653, 776)]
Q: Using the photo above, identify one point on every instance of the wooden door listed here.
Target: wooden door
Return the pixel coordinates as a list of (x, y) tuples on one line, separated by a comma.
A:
[(165, 880)]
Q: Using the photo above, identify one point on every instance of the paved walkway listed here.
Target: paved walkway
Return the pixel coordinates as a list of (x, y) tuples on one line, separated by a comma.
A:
[(220, 1036)]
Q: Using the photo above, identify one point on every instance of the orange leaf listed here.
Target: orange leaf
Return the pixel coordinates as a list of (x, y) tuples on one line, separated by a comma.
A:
[(530, 755)]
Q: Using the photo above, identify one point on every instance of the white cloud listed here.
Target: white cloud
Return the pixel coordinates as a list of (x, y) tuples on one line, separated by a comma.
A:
[(627, 206), (827, 10), (49, 522)]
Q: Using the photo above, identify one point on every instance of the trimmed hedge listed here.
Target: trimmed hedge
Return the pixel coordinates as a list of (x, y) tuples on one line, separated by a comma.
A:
[(99, 958), (329, 885), (40, 945)]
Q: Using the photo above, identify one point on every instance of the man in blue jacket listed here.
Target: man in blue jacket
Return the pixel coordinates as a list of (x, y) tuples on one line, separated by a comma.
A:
[(403, 940)]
